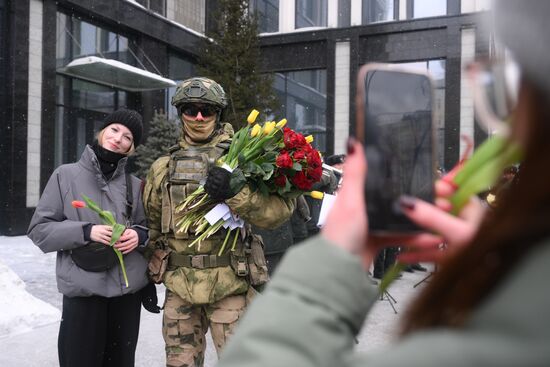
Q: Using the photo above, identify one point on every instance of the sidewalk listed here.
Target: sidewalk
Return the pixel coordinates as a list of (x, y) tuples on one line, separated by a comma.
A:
[(38, 347)]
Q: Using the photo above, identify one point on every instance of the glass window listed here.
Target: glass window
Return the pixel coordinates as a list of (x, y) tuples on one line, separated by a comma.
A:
[(158, 6), (377, 11), (191, 14), (179, 69), (268, 14), (344, 13), (303, 97), (436, 68), (3, 50), (81, 105), (429, 8), (311, 13)]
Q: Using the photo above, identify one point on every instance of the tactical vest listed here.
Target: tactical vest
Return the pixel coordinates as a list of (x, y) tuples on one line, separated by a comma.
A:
[(187, 170)]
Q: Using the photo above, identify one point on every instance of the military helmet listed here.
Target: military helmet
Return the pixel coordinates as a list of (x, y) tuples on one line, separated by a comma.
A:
[(199, 90)]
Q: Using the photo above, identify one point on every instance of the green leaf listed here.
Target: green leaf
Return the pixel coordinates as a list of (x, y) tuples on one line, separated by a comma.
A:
[(107, 217), (391, 275), (486, 173), (297, 166), (490, 149), (118, 229), (262, 187)]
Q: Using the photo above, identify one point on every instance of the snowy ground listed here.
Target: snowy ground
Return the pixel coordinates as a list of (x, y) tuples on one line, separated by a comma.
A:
[(30, 311)]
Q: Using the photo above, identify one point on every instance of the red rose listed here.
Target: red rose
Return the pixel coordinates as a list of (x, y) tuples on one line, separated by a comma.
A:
[(280, 181), (315, 173), (301, 181), (299, 155), (284, 160), (297, 140), (313, 159)]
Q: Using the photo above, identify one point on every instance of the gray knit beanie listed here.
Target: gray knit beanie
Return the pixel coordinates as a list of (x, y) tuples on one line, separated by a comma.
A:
[(524, 28)]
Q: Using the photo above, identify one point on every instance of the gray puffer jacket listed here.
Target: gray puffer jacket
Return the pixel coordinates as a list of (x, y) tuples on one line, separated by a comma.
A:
[(57, 226)]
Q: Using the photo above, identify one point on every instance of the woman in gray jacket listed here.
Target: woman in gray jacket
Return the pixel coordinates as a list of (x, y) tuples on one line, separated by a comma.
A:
[(100, 319), (488, 304)]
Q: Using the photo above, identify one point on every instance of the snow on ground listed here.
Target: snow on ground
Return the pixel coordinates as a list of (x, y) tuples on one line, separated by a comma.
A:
[(30, 311), (21, 311)]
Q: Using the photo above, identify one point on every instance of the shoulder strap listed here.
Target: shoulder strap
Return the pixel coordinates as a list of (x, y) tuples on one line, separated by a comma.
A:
[(129, 198)]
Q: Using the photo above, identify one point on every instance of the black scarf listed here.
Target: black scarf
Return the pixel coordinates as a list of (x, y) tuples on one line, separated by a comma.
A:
[(107, 159)]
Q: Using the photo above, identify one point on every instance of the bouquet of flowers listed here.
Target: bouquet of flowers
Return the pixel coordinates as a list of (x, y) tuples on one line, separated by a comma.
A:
[(108, 219), (271, 158)]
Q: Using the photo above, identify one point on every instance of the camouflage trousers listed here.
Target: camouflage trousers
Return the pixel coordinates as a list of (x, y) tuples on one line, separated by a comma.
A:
[(184, 326)]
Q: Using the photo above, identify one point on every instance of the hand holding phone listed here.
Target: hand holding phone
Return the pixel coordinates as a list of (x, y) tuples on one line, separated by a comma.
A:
[(395, 124)]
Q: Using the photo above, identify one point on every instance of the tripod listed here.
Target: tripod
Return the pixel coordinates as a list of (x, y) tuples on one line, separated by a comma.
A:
[(424, 279), (386, 296)]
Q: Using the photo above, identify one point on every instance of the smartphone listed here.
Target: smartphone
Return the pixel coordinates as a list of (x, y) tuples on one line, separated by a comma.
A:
[(395, 124)]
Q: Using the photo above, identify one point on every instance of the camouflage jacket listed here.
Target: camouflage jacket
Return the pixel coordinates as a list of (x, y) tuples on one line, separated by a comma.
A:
[(203, 286)]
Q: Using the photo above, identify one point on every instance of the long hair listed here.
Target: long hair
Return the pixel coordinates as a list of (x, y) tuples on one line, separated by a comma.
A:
[(519, 224)]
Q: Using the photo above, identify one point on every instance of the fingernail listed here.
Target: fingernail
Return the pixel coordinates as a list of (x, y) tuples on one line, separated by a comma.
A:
[(407, 202), (449, 181), (351, 145)]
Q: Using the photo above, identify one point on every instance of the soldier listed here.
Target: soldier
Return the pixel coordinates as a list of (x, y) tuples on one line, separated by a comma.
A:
[(204, 290)]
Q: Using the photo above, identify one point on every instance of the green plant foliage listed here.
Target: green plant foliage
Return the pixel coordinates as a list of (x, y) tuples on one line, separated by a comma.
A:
[(232, 58), (163, 133)]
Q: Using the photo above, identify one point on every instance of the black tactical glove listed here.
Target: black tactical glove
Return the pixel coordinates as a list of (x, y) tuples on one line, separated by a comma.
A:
[(218, 184), (149, 298)]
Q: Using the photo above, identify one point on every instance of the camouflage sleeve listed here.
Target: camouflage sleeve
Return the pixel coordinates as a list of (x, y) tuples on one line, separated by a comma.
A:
[(152, 199), (260, 210)]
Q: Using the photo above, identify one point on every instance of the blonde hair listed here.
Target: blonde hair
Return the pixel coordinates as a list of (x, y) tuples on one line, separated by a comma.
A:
[(99, 138)]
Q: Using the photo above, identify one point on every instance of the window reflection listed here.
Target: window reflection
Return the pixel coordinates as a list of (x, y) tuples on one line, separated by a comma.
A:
[(436, 68), (429, 8), (303, 102), (344, 13), (158, 6), (311, 13), (191, 14), (377, 11), (268, 14), (82, 105)]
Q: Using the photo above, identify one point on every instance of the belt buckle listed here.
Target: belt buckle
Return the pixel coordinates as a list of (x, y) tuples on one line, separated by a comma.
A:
[(197, 261)]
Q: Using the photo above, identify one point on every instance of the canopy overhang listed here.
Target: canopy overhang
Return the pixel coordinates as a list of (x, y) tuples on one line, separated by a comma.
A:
[(115, 74)]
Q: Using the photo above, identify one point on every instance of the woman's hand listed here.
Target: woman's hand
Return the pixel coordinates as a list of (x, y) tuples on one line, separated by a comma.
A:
[(454, 231), (101, 233), (128, 241), (347, 223)]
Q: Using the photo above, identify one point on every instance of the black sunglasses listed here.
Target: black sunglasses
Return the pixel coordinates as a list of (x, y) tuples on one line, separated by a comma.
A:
[(193, 110)]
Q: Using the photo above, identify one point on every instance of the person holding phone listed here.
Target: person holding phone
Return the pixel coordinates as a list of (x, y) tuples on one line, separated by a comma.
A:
[(496, 314), (100, 316)]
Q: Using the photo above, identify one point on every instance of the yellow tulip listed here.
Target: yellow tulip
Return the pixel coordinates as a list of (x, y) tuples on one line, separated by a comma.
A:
[(317, 195), (268, 127), (309, 139), (281, 124), (252, 116), (255, 130)]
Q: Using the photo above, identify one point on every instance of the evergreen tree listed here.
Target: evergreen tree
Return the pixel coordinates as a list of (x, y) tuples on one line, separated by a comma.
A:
[(163, 133), (233, 60)]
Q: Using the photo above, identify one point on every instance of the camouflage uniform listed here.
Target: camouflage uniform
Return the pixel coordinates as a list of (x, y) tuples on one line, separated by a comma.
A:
[(203, 290)]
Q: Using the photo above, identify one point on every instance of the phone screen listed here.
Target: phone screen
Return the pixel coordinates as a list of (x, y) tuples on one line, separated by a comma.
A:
[(399, 144)]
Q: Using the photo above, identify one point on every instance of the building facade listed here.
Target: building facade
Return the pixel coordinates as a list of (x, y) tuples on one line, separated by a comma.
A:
[(313, 47)]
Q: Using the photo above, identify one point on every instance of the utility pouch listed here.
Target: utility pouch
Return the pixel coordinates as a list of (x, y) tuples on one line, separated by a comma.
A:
[(95, 257), (158, 263), (257, 265)]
